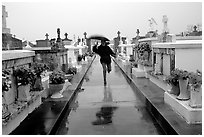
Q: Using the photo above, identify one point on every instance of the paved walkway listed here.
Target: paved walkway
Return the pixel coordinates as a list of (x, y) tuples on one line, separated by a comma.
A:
[(107, 110)]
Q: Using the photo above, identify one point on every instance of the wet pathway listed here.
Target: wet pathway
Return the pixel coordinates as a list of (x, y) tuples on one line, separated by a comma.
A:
[(107, 110)]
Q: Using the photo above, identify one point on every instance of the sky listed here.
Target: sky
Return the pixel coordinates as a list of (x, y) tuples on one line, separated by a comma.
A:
[(32, 20)]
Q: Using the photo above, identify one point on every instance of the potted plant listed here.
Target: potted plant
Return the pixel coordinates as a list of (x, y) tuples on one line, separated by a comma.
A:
[(24, 78), (140, 64), (195, 83), (70, 72), (38, 68), (183, 76), (57, 80), (142, 48), (173, 84), (6, 81)]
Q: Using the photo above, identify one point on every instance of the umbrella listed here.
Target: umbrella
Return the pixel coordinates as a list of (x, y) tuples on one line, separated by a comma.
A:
[(99, 37)]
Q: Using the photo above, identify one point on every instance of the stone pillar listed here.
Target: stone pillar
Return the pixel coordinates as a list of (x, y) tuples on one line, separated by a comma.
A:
[(166, 64), (158, 64), (129, 51), (88, 42)]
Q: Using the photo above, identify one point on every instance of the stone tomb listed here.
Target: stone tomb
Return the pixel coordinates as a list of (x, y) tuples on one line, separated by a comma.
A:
[(185, 55), (18, 110)]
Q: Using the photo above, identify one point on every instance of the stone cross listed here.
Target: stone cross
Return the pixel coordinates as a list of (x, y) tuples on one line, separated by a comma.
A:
[(195, 27), (138, 31), (118, 33), (85, 35), (66, 35), (46, 35), (79, 40)]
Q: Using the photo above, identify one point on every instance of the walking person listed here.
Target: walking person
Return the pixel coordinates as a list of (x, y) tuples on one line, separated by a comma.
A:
[(104, 51)]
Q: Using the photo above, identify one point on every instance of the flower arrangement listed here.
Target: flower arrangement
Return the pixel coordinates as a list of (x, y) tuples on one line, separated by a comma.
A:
[(141, 48), (172, 80), (6, 81), (195, 79), (181, 74), (24, 76), (57, 77), (39, 68), (72, 70)]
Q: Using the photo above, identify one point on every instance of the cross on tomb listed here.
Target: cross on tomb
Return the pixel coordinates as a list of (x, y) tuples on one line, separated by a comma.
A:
[(46, 35), (118, 33), (85, 35), (138, 31), (66, 35), (195, 27)]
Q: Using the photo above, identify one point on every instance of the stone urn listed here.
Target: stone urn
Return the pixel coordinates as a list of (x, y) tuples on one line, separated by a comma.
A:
[(54, 90), (172, 89), (38, 84), (24, 92), (195, 97), (184, 92)]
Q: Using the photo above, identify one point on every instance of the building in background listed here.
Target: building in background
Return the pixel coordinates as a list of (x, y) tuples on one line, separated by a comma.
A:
[(9, 42)]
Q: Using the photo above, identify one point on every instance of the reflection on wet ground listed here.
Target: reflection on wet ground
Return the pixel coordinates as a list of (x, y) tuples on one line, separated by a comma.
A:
[(105, 114), (107, 110)]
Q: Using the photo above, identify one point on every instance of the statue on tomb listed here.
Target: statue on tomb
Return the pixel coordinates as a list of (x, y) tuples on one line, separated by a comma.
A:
[(165, 20), (58, 35), (151, 25), (85, 35)]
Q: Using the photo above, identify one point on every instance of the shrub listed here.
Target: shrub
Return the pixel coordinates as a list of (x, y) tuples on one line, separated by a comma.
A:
[(57, 77), (195, 79), (24, 75)]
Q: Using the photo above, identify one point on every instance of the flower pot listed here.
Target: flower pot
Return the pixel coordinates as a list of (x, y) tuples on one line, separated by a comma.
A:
[(69, 77), (172, 89), (55, 89), (184, 93), (195, 97), (146, 69), (23, 92), (38, 84)]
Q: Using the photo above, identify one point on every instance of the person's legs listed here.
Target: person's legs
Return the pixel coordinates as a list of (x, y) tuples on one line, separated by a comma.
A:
[(109, 67), (104, 72)]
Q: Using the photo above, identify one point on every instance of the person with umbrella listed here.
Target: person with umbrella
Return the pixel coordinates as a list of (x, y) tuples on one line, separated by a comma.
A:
[(104, 51)]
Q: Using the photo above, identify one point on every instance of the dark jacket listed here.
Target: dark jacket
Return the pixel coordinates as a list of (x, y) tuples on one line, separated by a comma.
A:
[(104, 52)]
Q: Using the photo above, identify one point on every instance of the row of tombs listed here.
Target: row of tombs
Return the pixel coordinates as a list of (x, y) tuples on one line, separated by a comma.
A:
[(30, 75), (175, 66)]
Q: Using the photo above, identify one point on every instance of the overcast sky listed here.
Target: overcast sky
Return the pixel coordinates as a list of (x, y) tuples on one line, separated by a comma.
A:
[(32, 20)]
